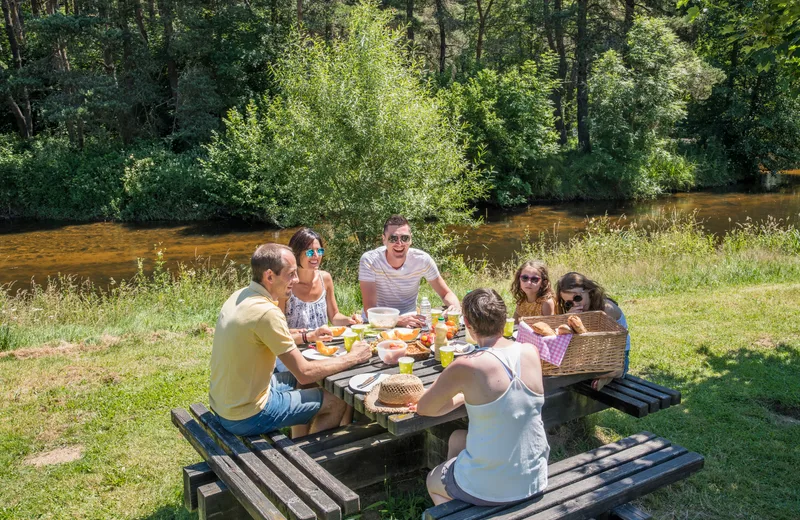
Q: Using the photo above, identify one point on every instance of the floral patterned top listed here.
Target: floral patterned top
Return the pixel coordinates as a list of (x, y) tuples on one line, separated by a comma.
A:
[(307, 315), (527, 308)]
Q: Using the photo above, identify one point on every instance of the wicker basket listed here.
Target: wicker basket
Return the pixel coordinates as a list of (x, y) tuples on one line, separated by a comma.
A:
[(420, 356), (602, 349)]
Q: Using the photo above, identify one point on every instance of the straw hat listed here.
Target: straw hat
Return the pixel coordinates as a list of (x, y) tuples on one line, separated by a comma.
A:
[(394, 393)]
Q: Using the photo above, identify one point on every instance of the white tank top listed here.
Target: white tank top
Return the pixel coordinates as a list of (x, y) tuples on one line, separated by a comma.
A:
[(507, 451)]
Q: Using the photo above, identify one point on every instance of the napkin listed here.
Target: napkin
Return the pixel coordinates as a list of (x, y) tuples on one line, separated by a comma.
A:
[(551, 348)]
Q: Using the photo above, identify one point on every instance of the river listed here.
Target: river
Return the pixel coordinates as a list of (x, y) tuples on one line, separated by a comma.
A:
[(103, 251)]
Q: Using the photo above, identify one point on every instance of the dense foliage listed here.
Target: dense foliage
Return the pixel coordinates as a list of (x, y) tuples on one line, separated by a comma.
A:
[(353, 137), (133, 109)]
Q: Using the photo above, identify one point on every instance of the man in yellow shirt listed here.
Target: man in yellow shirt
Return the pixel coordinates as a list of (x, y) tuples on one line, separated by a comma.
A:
[(251, 333)]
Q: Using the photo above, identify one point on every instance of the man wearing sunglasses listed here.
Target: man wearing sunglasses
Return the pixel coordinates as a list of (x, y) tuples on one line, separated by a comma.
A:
[(390, 275)]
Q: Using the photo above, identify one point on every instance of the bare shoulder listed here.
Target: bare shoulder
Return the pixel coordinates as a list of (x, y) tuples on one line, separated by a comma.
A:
[(530, 352), (612, 309), (327, 279)]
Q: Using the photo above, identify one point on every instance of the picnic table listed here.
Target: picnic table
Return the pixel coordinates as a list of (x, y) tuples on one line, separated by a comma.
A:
[(563, 401), (322, 470)]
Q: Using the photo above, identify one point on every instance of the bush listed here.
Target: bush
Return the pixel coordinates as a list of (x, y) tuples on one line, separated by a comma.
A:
[(509, 119), (353, 137), (636, 102), (47, 178)]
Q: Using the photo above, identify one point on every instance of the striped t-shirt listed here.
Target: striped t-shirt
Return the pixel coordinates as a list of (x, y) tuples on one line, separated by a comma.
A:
[(397, 288)]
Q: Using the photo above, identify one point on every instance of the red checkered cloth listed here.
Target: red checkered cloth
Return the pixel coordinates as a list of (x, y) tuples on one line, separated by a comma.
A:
[(551, 348)]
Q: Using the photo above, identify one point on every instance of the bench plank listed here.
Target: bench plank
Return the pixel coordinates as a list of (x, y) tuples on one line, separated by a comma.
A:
[(621, 491), (341, 494), (194, 476), (588, 457), (674, 394), (272, 485), (628, 512), (216, 502), (326, 440), (653, 403), (240, 485), (666, 399), (375, 459), (556, 496), (614, 399)]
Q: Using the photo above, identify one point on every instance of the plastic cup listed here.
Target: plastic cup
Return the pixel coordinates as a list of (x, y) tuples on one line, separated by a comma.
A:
[(406, 365), (350, 337), (435, 315), (359, 329), (446, 355), (455, 317), (508, 329)]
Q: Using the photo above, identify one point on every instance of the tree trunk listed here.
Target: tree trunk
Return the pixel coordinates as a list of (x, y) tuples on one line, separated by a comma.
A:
[(22, 115), (410, 20), (165, 9), (630, 6), (36, 9), (19, 117), (482, 18), (137, 11), (582, 52), (555, 39), (440, 13), (299, 12)]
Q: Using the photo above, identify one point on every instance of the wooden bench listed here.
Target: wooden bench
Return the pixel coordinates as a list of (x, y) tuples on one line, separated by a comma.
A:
[(325, 459), (341, 453), (632, 395), (592, 483)]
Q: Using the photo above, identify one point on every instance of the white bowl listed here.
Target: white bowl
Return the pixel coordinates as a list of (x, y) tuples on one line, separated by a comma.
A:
[(383, 317), (391, 356)]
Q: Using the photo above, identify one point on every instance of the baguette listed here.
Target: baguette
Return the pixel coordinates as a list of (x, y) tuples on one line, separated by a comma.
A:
[(563, 329), (543, 329), (576, 324)]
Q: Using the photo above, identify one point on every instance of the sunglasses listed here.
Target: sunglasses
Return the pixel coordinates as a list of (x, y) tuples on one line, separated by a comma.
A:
[(393, 239), (575, 299), (320, 252), (533, 279)]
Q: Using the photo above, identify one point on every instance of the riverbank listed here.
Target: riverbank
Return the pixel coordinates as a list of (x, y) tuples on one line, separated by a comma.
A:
[(91, 377)]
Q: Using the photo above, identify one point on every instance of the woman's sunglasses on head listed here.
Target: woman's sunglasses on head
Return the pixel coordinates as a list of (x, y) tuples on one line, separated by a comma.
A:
[(310, 252), (533, 279), (402, 238)]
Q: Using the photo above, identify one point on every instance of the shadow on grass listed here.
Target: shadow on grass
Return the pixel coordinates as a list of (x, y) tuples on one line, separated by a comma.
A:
[(739, 410), (170, 513)]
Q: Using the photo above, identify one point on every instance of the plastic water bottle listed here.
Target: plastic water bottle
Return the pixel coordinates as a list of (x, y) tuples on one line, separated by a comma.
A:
[(425, 310)]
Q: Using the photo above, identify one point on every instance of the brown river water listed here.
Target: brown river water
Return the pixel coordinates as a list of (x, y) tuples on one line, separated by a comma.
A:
[(103, 251)]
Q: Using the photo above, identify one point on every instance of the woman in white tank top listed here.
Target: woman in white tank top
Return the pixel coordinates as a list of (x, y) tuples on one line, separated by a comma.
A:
[(502, 457)]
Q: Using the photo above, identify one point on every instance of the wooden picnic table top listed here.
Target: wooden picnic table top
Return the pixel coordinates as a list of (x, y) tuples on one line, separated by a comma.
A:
[(428, 371)]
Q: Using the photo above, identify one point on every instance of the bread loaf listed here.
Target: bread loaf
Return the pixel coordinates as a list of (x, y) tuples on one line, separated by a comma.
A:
[(543, 329), (563, 329), (576, 324)]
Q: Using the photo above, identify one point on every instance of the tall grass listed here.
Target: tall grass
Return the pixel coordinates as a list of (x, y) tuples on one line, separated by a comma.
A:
[(669, 254)]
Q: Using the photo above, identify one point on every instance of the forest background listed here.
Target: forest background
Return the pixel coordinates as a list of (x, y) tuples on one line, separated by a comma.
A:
[(288, 111)]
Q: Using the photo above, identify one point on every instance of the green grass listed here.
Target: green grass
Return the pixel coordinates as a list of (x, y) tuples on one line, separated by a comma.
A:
[(716, 317)]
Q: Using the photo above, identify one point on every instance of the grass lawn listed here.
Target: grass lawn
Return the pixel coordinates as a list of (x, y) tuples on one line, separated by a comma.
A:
[(87, 383)]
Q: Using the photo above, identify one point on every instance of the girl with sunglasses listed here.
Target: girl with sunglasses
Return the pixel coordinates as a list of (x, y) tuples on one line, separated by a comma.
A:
[(532, 291), (576, 293)]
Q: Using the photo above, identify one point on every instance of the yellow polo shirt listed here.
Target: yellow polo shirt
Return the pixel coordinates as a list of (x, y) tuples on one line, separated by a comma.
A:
[(251, 332)]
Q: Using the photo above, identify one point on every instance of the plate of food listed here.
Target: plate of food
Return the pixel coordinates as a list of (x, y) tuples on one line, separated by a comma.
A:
[(462, 348), (357, 382), (323, 351)]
